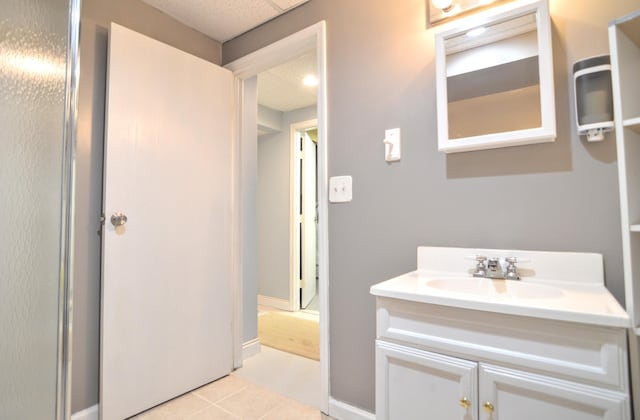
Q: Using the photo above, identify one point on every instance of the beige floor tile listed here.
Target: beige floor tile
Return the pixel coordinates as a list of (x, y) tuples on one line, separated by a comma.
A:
[(292, 376), (222, 388), (213, 413), (179, 408), (252, 402), (292, 410)]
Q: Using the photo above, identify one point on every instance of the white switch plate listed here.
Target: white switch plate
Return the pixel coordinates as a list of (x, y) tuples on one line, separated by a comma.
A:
[(340, 189)]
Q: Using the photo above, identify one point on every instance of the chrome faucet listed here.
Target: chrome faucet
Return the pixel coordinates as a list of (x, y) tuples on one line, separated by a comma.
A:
[(493, 268)]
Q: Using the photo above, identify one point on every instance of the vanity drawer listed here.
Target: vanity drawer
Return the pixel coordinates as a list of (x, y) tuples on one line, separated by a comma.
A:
[(591, 354)]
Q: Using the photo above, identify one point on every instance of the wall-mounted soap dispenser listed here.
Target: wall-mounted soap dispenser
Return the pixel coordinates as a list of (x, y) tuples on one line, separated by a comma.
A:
[(593, 97)]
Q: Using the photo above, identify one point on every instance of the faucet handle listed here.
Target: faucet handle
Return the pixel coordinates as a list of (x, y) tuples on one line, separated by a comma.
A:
[(481, 268), (517, 260), (511, 272)]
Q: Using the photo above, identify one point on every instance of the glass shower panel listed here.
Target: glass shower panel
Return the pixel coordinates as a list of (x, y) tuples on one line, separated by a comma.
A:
[(33, 57)]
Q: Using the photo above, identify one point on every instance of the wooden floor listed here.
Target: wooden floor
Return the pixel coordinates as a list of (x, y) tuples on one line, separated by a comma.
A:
[(290, 332)]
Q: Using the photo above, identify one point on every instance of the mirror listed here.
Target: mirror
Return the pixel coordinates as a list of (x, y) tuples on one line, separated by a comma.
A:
[(494, 79)]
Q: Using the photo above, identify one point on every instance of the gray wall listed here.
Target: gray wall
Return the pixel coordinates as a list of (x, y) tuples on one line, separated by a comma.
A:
[(269, 120), (274, 208), (560, 196), (96, 15)]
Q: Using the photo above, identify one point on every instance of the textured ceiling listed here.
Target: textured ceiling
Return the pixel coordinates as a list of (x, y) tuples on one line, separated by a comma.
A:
[(281, 87), (223, 20)]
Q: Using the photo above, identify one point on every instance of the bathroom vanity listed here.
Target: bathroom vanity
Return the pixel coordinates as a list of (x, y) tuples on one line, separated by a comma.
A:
[(551, 345)]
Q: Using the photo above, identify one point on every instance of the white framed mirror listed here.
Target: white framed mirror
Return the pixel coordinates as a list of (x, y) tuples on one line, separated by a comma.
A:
[(494, 79)]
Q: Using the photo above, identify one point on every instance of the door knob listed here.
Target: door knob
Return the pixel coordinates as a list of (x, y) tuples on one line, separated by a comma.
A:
[(465, 403), (118, 219)]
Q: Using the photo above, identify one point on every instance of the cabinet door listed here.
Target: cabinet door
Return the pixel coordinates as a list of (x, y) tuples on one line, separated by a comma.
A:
[(507, 394), (416, 384)]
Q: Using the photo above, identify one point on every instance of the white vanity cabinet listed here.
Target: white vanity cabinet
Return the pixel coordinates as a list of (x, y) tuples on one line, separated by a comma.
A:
[(521, 395), (439, 362), (417, 384)]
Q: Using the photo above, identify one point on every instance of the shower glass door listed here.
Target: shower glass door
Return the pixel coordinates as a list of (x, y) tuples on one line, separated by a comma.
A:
[(35, 150)]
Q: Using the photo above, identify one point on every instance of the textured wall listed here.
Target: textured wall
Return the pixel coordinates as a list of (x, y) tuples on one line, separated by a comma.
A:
[(96, 15), (560, 196), (273, 206), (33, 58)]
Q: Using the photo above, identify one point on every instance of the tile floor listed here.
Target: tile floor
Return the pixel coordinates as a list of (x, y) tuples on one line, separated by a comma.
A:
[(272, 385), (232, 398), (287, 374)]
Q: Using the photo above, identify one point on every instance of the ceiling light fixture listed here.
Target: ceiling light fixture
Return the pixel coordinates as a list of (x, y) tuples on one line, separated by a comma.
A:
[(444, 5), (310, 80)]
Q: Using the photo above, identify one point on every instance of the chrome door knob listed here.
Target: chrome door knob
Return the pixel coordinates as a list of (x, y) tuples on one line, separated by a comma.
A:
[(118, 219)]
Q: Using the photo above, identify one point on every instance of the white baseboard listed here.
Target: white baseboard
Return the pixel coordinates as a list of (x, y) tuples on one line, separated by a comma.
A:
[(91, 413), (273, 302), (343, 411), (250, 348)]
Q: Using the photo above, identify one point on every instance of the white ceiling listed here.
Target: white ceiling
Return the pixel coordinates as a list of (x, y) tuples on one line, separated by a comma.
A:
[(281, 87), (223, 20)]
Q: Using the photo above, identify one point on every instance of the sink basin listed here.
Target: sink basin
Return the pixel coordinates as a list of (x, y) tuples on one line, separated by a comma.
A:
[(482, 287)]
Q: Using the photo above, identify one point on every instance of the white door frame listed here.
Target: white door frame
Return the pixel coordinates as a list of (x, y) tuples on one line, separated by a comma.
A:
[(312, 37), (294, 205)]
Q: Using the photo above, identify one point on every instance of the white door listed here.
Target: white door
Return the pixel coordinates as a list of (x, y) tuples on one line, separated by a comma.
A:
[(309, 226), (414, 384), (166, 299), (507, 394)]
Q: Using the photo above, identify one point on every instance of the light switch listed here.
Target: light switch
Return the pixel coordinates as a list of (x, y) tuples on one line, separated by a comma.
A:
[(392, 145), (340, 189)]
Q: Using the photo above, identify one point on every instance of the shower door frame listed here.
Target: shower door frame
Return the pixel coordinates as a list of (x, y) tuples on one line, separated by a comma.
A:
[(65, 293)]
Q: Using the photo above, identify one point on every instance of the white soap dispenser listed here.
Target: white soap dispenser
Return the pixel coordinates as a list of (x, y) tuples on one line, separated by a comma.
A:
[(593, 97)]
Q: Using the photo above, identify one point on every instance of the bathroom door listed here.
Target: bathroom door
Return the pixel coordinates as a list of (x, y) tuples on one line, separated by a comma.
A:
[(166, 297)]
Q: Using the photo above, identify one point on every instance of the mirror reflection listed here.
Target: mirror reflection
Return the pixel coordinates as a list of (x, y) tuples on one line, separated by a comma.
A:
[(492, 78)]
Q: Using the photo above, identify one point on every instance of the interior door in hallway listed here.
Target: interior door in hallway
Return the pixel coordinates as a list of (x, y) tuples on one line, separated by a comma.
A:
[(309, 226), (166, 292)]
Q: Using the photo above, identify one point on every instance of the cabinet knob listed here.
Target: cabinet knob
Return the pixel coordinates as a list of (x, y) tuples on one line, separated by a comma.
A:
[(465, 403), (488, 407)]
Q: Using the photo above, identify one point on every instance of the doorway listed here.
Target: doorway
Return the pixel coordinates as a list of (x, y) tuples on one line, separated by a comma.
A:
[(246, 70)]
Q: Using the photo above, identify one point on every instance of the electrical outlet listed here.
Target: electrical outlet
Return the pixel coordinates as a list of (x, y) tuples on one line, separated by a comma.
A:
[(340, 189)]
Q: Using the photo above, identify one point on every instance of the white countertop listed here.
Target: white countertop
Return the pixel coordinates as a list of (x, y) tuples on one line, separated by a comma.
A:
[(581, 302)]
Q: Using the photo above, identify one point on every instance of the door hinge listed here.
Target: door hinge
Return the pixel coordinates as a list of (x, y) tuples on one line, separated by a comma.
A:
[(100, 224)]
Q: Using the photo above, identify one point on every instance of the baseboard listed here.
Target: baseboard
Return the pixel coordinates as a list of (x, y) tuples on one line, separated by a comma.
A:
[(250, 348), (91, 413), (343, 411), (273, 302)]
